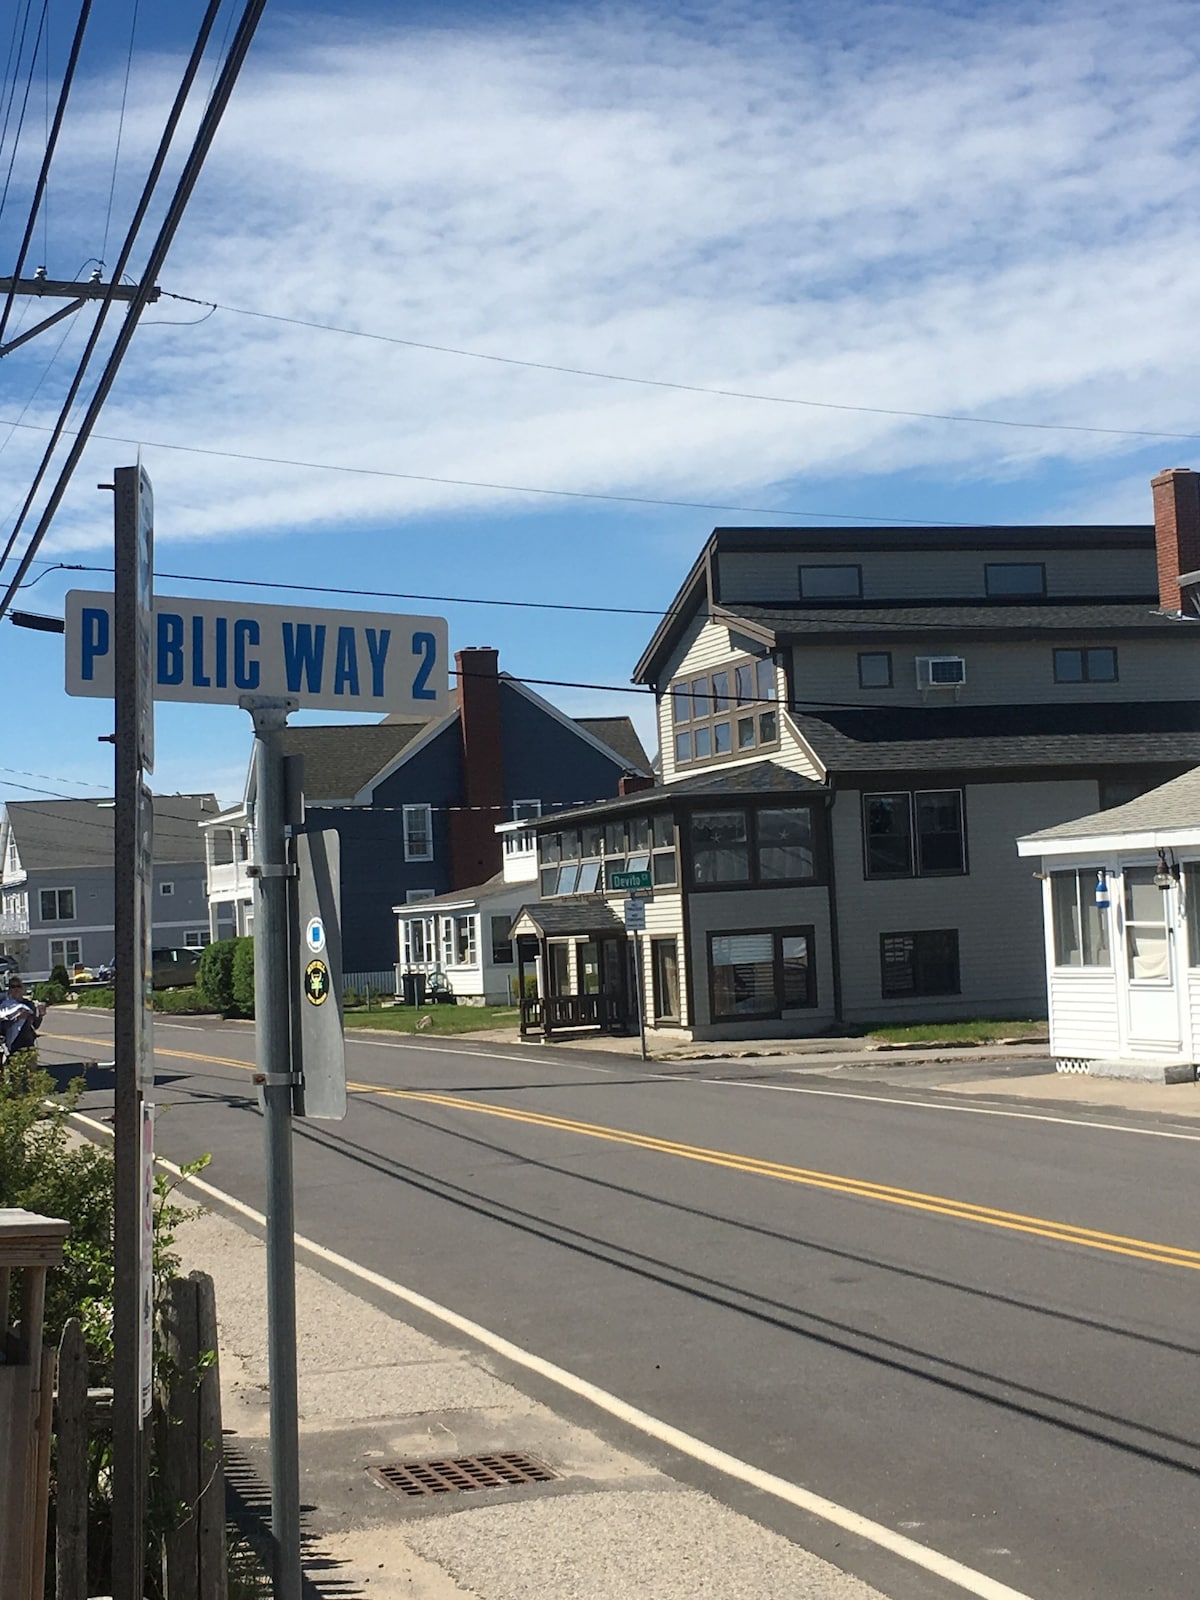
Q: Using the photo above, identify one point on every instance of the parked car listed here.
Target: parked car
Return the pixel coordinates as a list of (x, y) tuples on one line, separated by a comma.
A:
[(9, 964), (175, 969)]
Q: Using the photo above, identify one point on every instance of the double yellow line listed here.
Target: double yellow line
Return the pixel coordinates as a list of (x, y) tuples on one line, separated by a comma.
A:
[(833, 1183)]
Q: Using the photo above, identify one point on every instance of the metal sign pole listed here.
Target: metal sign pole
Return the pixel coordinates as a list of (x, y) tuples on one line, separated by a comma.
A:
[(133, 1050), (641, 997), (277, 1084)]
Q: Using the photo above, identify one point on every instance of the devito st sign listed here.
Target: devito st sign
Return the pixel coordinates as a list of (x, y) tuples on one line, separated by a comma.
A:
[(215, 651)]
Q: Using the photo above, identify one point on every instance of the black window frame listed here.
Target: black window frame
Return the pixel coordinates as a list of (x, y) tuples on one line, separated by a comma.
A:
[(830, 566), (914, 869), (612, 846), (690, 728), (1083, 651), (778, 935), (59, 915), (505, 943), (876, 655), (1014, 594), (916, 937), (754, 845)]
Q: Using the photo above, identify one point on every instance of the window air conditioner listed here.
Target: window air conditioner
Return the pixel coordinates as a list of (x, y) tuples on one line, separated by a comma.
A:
[(941, 672)]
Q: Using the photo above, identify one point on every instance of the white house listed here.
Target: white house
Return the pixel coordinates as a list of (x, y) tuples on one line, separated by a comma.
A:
[(1121, 898), (462, 940)]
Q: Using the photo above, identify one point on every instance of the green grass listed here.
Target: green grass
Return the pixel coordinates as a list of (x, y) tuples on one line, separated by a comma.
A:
[(442, 1019), (977, 1032)]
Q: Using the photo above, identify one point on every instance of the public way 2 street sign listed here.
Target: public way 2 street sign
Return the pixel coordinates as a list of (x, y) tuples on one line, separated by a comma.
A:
[(216, 652)]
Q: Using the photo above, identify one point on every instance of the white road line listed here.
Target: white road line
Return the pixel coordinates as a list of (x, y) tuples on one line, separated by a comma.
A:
[(973, 1111), (898, 1544)]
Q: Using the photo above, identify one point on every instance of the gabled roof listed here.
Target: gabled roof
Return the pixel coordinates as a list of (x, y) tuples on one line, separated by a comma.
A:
[(620, 735), (1173, 806), (340, 759), (1099, 733), (572, 914), (496, 888), (61, 834)]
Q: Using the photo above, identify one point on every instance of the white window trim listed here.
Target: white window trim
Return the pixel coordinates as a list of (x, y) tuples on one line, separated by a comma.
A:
[(167, 888), (427, 812)]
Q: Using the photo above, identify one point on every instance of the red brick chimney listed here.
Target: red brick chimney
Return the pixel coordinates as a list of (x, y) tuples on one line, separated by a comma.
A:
[(1176, 531), (475, 850)]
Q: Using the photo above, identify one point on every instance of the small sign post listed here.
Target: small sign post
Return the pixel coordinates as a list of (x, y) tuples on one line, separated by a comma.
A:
[(635, 923), (270, 661)]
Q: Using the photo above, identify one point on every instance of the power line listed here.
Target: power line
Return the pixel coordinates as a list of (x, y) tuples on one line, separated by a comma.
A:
[(504, 488), (53, 777), (24, 102), (685, 388), (112, 188)]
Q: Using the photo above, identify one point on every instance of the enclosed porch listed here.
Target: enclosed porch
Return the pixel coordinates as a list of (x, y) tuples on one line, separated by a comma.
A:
[(581, 958)]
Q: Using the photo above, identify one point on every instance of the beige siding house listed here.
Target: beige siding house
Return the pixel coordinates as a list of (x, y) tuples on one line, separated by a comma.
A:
[(855, 726)]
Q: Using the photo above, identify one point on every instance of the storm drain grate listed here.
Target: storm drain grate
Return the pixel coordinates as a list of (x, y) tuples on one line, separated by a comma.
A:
[(507, 1469)]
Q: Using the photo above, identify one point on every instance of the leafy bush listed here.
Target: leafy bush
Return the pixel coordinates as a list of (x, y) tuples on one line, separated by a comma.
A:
[(243, 977), (52, 993), (95, 997), (183, 1002), (59, 974), (215, 977)]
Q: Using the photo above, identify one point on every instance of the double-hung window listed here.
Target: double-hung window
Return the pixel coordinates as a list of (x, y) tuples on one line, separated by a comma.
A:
[(58, 905), (914, 835), (418, 833)]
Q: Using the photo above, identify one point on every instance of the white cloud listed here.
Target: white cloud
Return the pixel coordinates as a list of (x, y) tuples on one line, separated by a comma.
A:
[(896, 206)]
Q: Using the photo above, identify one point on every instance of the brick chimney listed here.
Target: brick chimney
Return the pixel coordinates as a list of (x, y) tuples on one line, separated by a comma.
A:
[(475, 849), (1176, 531)]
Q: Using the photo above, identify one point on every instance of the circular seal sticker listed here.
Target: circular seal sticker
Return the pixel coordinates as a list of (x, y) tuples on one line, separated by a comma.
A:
[(314, 934), (316, 983)]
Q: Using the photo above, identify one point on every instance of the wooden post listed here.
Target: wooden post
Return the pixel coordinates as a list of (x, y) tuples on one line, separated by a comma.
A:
[(181, 1442), (214, 1580), (43, 1431), (71, 1497)]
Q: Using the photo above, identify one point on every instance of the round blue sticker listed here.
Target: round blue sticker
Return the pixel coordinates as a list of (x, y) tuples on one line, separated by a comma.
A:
[(314, 934)]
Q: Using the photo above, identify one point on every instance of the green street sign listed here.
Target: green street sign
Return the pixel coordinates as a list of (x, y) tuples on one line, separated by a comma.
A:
[(629, 880)]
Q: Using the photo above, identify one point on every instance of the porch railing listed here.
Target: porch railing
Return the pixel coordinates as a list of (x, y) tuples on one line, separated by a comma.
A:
[(544, 1013)]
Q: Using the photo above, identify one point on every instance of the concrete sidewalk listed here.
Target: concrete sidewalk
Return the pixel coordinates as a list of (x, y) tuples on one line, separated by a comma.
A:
[(375, 1391)]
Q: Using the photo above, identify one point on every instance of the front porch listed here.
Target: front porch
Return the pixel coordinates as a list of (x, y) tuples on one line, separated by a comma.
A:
[(582, 966)]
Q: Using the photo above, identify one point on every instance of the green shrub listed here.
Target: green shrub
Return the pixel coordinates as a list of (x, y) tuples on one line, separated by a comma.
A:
[(95, 997), (215, 977), (59, 974), (182, 1002), (52, 993), (243, 977)]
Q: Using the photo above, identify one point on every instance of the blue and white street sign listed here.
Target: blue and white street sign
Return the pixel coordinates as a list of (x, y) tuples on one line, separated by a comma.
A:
[(314, 935), (216, 652)]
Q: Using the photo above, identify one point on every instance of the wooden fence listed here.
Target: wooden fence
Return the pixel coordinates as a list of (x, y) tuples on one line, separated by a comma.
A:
[(186, 1426)]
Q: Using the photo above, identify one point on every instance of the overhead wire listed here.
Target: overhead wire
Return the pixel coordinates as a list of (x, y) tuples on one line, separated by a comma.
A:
[(686, 388), (112, 188), (39, 189), (8, 96), (184, 185), (24, 104)]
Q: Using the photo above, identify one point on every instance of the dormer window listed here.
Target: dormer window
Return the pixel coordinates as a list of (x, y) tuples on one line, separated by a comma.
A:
[(831, 583)]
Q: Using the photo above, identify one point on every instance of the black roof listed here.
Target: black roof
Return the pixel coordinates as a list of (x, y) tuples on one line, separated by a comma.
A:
[(571, 914), (620, 735), (754, 777), (79, 833), (955, 618), (1104, 733)]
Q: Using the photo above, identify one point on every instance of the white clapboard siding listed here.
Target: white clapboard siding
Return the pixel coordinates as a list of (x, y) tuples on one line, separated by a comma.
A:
[(1084, 1014)]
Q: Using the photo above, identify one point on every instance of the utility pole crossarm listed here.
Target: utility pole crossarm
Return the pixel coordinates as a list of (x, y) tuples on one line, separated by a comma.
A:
[(62, 289), (40, 327)]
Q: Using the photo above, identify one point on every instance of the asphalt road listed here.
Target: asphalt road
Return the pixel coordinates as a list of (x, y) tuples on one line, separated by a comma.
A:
[(979, 1329)]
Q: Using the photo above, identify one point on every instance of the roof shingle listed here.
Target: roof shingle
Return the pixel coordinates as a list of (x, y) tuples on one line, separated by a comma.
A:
[(79, 833)]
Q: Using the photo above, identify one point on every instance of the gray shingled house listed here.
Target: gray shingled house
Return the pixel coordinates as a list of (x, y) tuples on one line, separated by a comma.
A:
[(855, 727), (57, 879)]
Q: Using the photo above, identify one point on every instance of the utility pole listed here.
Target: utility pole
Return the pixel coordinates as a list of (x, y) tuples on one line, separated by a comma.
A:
[(77, 294)]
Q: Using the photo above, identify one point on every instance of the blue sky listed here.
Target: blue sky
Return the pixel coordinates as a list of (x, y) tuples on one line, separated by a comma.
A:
[(988, 210)]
